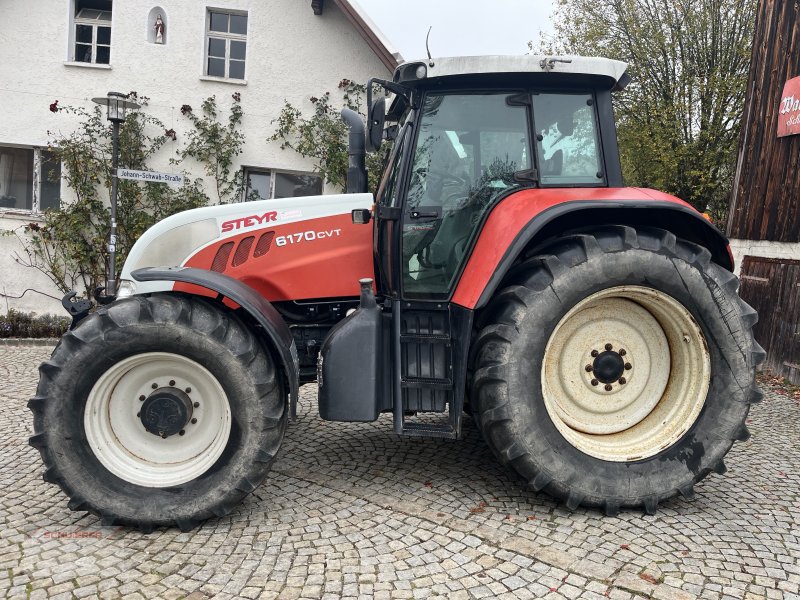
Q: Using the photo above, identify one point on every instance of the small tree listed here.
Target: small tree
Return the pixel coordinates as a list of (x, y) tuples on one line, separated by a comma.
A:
[(322, 136)]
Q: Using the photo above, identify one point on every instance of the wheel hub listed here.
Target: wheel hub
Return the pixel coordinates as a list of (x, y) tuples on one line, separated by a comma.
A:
[(166, 411), (608, 367), (625, 373)]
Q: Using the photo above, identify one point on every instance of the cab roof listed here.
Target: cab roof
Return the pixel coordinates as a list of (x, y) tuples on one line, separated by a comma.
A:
[(408, 73)]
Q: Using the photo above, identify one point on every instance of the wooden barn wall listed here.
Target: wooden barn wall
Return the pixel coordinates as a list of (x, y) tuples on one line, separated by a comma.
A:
[(766, 194), (772, 287)]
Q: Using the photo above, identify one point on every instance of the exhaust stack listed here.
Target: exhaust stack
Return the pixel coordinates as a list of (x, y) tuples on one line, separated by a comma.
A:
[(356, 170)]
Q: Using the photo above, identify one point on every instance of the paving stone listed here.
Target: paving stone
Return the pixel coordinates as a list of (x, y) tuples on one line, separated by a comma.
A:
[(352, 511)]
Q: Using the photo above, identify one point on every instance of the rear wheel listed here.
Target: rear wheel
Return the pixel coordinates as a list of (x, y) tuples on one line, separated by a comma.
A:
[(616, 368), (158, 411)]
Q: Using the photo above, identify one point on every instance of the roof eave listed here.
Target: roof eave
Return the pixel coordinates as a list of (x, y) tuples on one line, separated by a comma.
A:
[(375, 39)]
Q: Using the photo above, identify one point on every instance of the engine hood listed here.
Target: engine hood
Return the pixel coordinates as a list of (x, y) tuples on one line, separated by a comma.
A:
[(176, 239)]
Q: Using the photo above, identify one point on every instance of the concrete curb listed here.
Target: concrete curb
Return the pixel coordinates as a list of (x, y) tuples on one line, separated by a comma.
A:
[(28, 341)]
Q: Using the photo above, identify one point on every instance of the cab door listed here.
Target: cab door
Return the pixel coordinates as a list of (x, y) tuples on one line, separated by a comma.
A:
[(469, 149)]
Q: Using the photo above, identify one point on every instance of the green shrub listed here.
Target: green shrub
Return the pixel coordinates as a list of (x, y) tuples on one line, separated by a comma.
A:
[(18, 324)]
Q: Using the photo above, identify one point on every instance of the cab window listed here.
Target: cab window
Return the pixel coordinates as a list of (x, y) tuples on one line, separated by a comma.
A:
[(567, 136)]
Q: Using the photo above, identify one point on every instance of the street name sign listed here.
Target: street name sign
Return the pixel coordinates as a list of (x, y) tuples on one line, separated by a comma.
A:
[(150, 176)]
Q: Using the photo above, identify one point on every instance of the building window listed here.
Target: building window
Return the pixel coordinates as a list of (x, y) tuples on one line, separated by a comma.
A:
[(263, 184), (226, 44), (91, 32), (30, 179)]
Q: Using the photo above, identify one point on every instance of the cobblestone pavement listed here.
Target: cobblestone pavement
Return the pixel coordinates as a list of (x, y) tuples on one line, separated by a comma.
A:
[(354, 511)]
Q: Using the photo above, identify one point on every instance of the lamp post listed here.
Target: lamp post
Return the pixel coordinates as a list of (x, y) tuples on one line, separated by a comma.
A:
[(117, 106)]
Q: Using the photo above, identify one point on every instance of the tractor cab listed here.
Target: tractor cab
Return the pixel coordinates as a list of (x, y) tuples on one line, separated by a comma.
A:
[(467, 133)]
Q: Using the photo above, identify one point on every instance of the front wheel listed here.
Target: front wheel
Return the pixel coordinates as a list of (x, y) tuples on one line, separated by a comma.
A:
[(161, 410), (616, 368)]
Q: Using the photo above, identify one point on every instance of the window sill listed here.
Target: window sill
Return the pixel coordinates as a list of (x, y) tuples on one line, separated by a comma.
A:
[(223, 80), (86, 65), (21, 214)]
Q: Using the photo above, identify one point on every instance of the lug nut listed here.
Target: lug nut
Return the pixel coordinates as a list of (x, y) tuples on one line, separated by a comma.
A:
[(595, 382), (195, 420), (628, 366), (623, 381), (141, 398), (622, 352), (588, 368), (188, 390), (595, 353), (154, 386), (608, 387), (609, 347), (171, 382), (197, 405), (181, 432)]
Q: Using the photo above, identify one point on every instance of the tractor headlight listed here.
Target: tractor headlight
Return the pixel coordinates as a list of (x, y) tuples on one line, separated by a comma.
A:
[(126, 288)]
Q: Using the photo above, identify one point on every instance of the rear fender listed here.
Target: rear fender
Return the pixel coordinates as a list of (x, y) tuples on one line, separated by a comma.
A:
[(486, 267), (261, 310)]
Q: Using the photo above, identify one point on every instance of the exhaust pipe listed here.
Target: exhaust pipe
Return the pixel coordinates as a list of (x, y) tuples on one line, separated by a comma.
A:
[(356, 169)]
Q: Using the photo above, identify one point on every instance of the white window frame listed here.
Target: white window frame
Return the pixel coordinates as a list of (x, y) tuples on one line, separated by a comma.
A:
[(36, 181), (272, 173), (228, 37), (94, 24)]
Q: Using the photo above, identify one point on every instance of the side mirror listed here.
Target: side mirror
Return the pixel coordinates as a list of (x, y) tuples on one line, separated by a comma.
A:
[(376, 119), (361, 216)]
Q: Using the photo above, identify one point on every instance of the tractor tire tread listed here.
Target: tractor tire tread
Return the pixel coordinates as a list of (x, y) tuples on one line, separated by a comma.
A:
[(139, 309), (494, 406)]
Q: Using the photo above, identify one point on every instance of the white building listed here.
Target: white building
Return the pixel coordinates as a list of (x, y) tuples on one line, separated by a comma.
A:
[(72, 50)]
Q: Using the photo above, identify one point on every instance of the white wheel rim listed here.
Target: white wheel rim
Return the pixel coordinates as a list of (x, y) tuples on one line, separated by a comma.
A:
[(665, 368), (124, 446)]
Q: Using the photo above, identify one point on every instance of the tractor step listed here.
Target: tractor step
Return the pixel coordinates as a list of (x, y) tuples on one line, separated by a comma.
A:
[(429, 383), (430, 430), (427, 380), (429, 338)]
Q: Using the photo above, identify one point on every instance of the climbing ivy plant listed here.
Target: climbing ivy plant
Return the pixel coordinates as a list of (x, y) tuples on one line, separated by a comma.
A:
[(215, 144), (322, 135)]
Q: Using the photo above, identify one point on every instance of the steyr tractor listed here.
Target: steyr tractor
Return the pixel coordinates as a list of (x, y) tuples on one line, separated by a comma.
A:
[(501, 269)]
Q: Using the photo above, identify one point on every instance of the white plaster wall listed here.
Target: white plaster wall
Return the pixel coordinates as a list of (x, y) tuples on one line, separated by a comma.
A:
[(291, 55), (765, 249), (15, 278)]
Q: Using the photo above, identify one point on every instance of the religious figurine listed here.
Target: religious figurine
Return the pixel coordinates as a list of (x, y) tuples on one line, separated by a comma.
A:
[(159, 27)]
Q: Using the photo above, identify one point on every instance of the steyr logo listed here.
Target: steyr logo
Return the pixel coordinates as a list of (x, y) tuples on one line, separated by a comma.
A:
[(249, 221)]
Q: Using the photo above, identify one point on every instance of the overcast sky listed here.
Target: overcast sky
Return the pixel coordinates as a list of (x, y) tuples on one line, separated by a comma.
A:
[(460, 27)]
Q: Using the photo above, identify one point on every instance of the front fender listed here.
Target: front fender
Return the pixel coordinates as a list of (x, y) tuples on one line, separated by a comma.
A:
[(260, 309)]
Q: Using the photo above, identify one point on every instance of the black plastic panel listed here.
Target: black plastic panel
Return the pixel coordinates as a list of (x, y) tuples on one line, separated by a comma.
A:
[(426, 360)]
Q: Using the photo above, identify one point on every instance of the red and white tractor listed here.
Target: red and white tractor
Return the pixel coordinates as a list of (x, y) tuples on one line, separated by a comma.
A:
[(593, 331)]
